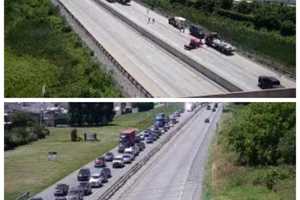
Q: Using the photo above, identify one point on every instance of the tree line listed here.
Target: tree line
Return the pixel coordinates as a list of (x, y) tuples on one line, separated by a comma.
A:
[(263, 134)]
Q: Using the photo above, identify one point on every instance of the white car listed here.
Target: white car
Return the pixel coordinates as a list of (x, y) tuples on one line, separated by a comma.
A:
[(118, 161), (128, 158), (96, 180)]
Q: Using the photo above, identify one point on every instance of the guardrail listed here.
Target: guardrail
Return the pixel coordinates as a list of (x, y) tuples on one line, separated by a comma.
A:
[(173, 50), (107, 54), (123, 179), (23, 196)]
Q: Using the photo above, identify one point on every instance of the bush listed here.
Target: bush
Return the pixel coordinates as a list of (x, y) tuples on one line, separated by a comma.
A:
[(73, 135), (235, 15), (288, 28), (263, 134)]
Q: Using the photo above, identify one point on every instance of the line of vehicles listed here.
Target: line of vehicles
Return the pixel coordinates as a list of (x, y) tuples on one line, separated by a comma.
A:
[(131, 143), (200, 37), (213, 39)]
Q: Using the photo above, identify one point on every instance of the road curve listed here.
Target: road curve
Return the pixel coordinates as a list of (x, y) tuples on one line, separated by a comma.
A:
[(160, 73), (177, 171)]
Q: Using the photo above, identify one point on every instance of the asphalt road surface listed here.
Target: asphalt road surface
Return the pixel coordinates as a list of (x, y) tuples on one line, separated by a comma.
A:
[(176, 172), (159, 72), (71, 179), (237, 69)]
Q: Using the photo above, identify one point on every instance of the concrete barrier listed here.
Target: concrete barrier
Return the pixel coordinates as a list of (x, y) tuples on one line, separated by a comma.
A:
[(173, 50), (268, 93)]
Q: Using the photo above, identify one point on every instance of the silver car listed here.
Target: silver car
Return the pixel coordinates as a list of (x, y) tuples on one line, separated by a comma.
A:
[(96, 180)]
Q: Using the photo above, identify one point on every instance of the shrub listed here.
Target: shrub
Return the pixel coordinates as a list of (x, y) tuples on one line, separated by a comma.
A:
[(288, 28), (73, 135), (263, 134)]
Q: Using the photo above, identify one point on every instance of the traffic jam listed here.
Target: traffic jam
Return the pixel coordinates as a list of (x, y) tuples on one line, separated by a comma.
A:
[(131, 144)]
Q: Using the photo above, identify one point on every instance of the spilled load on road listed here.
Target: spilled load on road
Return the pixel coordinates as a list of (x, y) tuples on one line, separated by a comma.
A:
[(213, 40)]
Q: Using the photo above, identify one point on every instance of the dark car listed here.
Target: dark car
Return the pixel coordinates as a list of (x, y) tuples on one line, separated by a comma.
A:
[(37, 198), (214, 110), (177, 114), (207, 120), (106, 173), (149, 139), (141, 145), (75, 193), (265, 82), (121, 148), (208, 107), (100, 162), (61, 190), (109, 156), (197, 31), (84, 174), (87, 187)]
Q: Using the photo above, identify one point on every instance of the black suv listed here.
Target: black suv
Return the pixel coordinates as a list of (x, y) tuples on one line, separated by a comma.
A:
[(197, 31), (87, 187), (75, 193), (61, 190), (106, 173), (84, 174), (265, 82)]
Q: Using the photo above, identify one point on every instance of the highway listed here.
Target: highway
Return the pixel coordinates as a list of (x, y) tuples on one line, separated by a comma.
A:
[(237, 69), (158, 71), (176, 172), (71, 179)]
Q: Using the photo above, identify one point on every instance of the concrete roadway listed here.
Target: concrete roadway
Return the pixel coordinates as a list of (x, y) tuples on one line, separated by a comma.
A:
[(71, 179), (176, 172), (162, 74), (238, 69)]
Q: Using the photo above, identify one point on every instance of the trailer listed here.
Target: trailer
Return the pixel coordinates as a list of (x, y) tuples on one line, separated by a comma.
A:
[(213, 40), (128, 136), (178, 22)]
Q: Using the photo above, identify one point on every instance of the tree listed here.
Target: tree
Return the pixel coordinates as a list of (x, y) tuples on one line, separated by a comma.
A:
[(263, 134), (73, 135), (288, 28), (90, 114), (21, 119), (144, 106), (226, 4), (244, 7)]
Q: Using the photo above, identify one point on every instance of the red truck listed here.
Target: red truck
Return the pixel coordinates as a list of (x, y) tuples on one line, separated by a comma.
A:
[(127, 137)]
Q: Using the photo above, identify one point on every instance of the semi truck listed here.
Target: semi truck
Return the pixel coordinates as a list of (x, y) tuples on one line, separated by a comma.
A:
[(160, 120), (128, 137)]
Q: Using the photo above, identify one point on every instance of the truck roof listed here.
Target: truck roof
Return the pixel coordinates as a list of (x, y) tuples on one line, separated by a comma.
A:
[(129, 131)]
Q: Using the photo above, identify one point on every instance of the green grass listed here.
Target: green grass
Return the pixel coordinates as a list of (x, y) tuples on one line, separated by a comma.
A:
[(27, 167), (227, 180), (42, 51)]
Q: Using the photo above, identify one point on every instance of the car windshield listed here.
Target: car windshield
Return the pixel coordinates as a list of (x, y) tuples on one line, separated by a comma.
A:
[(74, 191), (96, 175)]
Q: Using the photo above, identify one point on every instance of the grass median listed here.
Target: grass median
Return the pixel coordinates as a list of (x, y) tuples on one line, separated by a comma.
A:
[(27, 168)]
